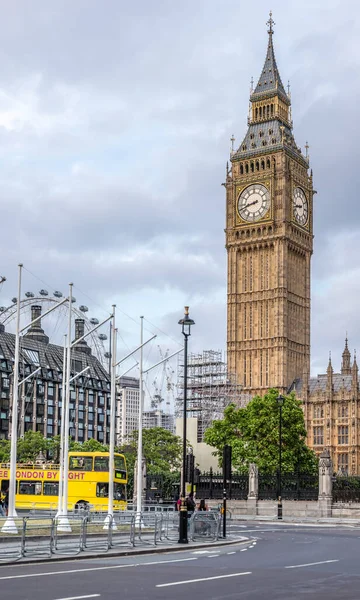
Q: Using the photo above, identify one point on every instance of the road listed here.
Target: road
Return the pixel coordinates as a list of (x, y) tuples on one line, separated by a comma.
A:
[(279, 562)]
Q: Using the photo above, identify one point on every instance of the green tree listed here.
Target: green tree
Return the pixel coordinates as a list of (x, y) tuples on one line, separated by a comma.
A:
[(30, 446), (162, 451), (90, 445), (4, 451), (253, 433)]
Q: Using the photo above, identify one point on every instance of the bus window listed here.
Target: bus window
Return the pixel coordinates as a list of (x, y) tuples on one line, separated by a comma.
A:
[(51, 489), (120, 469), (119, 491), (30, 488), (102, 490), (80, 463), (101, 463)]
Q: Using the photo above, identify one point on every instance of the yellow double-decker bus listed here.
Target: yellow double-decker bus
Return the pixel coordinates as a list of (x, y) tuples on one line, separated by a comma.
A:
[(37, 486)]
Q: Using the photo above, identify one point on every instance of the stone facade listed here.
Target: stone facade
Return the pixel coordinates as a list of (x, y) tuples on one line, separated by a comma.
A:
[(331, 404), (269, 241)]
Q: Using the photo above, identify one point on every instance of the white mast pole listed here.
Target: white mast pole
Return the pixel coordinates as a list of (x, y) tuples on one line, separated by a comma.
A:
[(110, 515), (62, 428), (141, 409), (63, 524), (9, 525)]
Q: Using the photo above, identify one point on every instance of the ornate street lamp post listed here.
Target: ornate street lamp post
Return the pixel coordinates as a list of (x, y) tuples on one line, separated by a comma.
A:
[(280, 400), (186, 324)]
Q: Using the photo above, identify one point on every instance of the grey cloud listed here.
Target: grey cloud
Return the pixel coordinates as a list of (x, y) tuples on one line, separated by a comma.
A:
[(115, 122)]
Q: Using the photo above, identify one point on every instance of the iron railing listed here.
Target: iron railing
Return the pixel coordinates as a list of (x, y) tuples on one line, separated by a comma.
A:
[(210, 486), (346, 489), (294, 486)]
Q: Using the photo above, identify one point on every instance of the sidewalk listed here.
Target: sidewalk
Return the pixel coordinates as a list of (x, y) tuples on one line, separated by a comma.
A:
[(332, 521)]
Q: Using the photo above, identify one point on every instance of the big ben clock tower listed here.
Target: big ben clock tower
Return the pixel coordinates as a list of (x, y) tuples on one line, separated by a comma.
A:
[(269, 241)]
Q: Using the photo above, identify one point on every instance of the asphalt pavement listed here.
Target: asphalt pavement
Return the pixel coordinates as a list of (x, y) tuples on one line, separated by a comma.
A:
[(280, 561)]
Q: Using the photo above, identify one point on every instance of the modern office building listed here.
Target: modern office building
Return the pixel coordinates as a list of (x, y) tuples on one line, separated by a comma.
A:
[(40, 398), (127, 399), (158, 418)]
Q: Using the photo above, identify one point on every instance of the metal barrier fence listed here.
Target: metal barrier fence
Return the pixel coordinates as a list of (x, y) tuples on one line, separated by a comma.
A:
[(205, 524), (44, 537)]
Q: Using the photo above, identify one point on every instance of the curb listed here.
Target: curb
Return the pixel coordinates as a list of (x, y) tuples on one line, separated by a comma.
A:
[(130, 552)]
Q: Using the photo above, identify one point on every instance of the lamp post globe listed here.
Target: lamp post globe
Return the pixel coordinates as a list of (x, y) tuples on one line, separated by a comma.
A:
[(186, 324)]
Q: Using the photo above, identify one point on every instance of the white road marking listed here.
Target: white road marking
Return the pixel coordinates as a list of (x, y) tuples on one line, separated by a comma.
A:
[(48, 573), (163, 562), (160, 585), (231, 553), (243, 550), (214, 555), (80, 597), (322, 562), (202, 552)]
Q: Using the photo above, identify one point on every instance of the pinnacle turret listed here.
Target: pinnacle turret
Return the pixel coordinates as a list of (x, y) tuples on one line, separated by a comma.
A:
[(346, 360), (329, 369)]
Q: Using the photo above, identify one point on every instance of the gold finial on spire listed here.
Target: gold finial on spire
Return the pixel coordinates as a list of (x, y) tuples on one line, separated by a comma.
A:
[(271, 23)]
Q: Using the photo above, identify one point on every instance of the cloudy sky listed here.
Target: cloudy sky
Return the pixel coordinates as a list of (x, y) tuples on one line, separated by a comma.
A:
[(115, 121)]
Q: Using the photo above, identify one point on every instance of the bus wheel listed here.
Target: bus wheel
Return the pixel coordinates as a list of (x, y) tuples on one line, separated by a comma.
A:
[(81, 506)]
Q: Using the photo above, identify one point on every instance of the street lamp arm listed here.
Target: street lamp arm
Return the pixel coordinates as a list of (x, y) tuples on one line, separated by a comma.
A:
[(163, 360), (44, 314), (75, 342), (29, 376), (136, 349), (78, 374), (127, 370)]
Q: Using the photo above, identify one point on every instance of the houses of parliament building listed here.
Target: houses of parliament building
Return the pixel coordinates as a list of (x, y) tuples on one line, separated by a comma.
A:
[(269, 242)]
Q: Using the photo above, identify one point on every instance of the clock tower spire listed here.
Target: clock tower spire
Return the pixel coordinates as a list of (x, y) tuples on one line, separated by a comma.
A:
[(269, 242)]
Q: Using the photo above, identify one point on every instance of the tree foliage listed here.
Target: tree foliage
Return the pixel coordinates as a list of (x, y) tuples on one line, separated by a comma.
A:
[(30, 446), (4, 451), (161, 450), (34, 444), (253, 433)]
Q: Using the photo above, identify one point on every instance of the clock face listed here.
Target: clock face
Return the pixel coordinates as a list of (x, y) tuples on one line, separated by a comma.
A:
[(254, 202), (301, 208)]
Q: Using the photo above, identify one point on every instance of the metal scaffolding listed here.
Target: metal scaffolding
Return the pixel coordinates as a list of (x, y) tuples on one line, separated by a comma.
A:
[(210, 388)]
